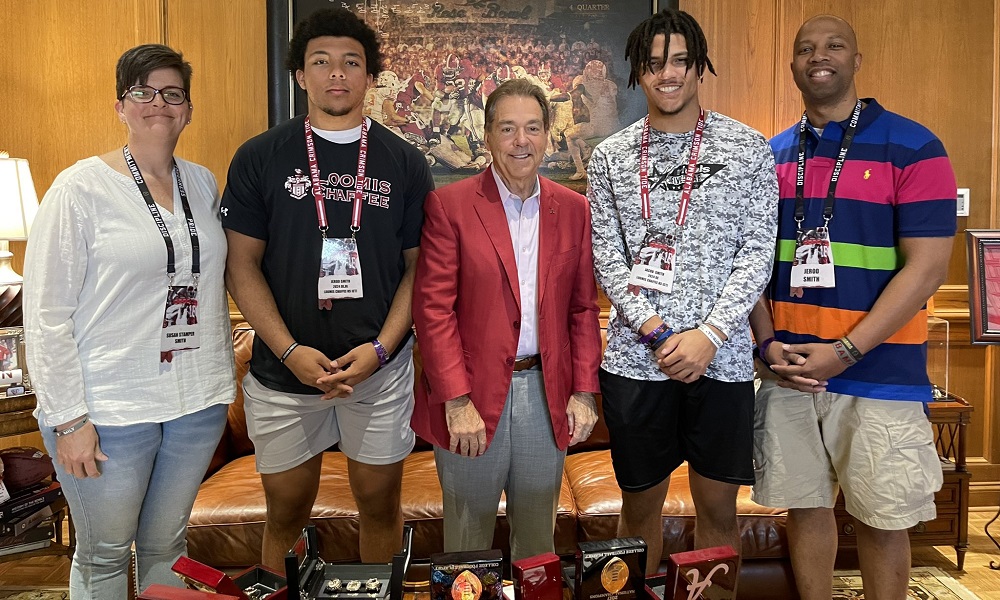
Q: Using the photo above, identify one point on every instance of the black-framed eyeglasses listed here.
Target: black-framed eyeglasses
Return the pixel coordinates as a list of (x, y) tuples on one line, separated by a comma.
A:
[(144, 94)]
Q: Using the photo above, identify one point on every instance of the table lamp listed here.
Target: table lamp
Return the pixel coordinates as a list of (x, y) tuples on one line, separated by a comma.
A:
[(18, 205)]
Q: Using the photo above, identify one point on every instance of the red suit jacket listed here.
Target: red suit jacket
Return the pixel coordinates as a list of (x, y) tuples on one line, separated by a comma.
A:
[(466, 304)]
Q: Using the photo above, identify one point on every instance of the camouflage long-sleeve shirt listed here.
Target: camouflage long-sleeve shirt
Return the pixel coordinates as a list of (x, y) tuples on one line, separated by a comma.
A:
[(724, 249)]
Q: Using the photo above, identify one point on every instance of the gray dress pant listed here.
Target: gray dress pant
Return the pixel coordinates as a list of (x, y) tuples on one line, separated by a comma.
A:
[(523, 461)]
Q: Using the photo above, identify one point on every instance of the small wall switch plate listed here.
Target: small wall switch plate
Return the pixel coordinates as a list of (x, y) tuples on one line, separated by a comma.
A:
[(963, 202)]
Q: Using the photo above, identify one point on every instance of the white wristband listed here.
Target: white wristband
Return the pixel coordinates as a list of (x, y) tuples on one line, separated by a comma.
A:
[(716, 340)]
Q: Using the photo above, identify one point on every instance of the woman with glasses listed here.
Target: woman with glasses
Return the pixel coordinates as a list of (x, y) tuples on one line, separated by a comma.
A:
[(127, 331)]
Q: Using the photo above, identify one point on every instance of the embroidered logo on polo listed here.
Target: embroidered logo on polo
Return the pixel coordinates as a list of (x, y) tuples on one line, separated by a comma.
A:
[(674, 180), (340, 188)]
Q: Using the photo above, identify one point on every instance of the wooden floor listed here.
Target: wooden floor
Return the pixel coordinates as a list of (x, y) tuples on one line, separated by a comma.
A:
[(978, 577)]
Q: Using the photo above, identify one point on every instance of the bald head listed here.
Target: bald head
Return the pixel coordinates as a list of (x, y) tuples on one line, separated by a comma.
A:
[(825, 58), (828, 24)]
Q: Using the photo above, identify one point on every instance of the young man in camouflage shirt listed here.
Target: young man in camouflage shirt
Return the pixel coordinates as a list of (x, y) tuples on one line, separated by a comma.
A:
[(683, 206)]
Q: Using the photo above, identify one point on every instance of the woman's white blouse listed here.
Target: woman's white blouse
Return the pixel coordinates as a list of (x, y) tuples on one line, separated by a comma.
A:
[(95, 289)]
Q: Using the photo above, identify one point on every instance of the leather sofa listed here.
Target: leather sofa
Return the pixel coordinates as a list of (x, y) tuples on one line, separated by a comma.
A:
[(227, 522)]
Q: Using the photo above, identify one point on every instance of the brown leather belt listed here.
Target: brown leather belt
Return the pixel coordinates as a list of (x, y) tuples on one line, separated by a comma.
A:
[(527, 363)]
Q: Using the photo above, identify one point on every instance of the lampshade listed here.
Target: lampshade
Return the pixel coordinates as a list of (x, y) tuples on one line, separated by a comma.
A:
[(18, 202)]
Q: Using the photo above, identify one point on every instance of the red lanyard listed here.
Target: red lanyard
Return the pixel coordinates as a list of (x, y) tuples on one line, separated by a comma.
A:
[(359, 183), (647, 211)]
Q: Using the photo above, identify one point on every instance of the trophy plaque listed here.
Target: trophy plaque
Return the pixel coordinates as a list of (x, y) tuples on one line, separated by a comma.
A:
[(467, 575), (611, 569), (538, 578), (707, 574)]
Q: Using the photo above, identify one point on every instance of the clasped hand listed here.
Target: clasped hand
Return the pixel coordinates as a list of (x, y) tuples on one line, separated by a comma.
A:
[(335, 378), (804, 367), (685, 356)]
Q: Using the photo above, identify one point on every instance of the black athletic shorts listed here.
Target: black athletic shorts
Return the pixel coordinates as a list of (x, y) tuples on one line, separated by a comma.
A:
[(657, 425)]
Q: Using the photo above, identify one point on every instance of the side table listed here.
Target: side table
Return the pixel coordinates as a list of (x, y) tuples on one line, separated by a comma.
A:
[(16, 419)]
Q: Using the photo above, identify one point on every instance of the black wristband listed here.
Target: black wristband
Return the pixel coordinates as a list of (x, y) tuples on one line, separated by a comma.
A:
[(288, 352), (852, 349)]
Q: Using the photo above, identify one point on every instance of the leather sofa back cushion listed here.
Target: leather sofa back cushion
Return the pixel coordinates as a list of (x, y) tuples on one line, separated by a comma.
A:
[(236, 442)]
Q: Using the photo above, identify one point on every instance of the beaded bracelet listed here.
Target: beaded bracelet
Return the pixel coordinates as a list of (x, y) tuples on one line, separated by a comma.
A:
[(288, 352), (72, 427)]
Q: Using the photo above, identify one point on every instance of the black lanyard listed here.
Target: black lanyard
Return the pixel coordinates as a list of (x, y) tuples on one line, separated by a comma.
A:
[(158, 218), (800, 172)]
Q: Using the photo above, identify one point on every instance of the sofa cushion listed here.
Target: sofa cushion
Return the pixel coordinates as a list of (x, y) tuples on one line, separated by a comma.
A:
[(227, 523), (599, 501)]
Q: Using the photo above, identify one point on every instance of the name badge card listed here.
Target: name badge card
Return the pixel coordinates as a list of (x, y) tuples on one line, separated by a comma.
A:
[(813, 263), (339, 263), (180, 319), (653, 267), (340, 270)]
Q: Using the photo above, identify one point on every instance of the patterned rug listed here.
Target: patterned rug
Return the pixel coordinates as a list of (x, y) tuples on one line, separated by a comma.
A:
[(12, 593), (926, 583)]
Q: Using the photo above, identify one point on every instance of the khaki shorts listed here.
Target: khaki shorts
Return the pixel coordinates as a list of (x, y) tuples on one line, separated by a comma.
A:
[(808, 446), (372, 425)]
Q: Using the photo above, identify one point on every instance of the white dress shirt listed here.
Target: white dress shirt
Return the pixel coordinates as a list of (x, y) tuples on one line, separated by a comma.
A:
[(522, 219), (95, 291)]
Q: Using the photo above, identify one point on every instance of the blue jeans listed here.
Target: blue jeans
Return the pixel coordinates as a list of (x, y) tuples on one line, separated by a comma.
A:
[(144, 495)]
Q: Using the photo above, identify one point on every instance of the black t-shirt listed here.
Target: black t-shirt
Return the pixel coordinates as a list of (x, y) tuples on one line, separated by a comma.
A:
[(269, 197)]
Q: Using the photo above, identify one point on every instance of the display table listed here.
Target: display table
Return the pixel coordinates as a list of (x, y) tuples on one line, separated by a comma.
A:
[(16, 419), (950, 417)]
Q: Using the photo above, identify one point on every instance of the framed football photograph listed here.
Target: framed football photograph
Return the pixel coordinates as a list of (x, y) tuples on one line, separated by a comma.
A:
[(441, 60)]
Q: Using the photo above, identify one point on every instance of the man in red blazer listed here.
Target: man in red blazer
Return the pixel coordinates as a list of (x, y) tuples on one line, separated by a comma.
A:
[(505, 307)]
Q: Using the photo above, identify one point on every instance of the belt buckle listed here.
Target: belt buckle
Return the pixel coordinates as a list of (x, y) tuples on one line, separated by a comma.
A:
[(526, 363)]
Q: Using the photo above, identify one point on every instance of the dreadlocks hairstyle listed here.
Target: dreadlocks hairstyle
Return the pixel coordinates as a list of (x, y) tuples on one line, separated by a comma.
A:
[(668, 21)]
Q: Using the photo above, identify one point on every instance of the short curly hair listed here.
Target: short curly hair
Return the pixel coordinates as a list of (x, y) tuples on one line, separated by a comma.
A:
[(135, 65), (334, 22)]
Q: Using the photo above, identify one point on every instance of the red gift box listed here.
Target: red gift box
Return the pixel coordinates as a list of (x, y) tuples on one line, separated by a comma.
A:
[(204, 577), (708, 574), (201, 576), (538, 578), (163, 592)]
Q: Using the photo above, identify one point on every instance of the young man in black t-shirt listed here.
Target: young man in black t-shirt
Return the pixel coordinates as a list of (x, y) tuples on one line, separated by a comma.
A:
[(331, 358)]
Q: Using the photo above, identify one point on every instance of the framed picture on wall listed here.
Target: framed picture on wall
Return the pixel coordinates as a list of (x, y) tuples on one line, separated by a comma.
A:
[(13, 370), (983, 251), (443, 58)]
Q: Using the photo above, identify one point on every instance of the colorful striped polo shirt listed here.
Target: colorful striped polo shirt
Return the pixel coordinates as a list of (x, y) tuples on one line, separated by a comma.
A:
[(896, 182)]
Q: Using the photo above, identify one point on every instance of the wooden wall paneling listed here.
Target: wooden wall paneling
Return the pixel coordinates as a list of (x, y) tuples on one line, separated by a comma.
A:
[(916, 56), (992, 398), (995, 170), (59, 77), (58, 73), (741, 46), (226, 46)]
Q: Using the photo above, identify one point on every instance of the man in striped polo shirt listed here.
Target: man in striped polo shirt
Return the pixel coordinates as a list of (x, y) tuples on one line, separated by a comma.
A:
[(866, 221)]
